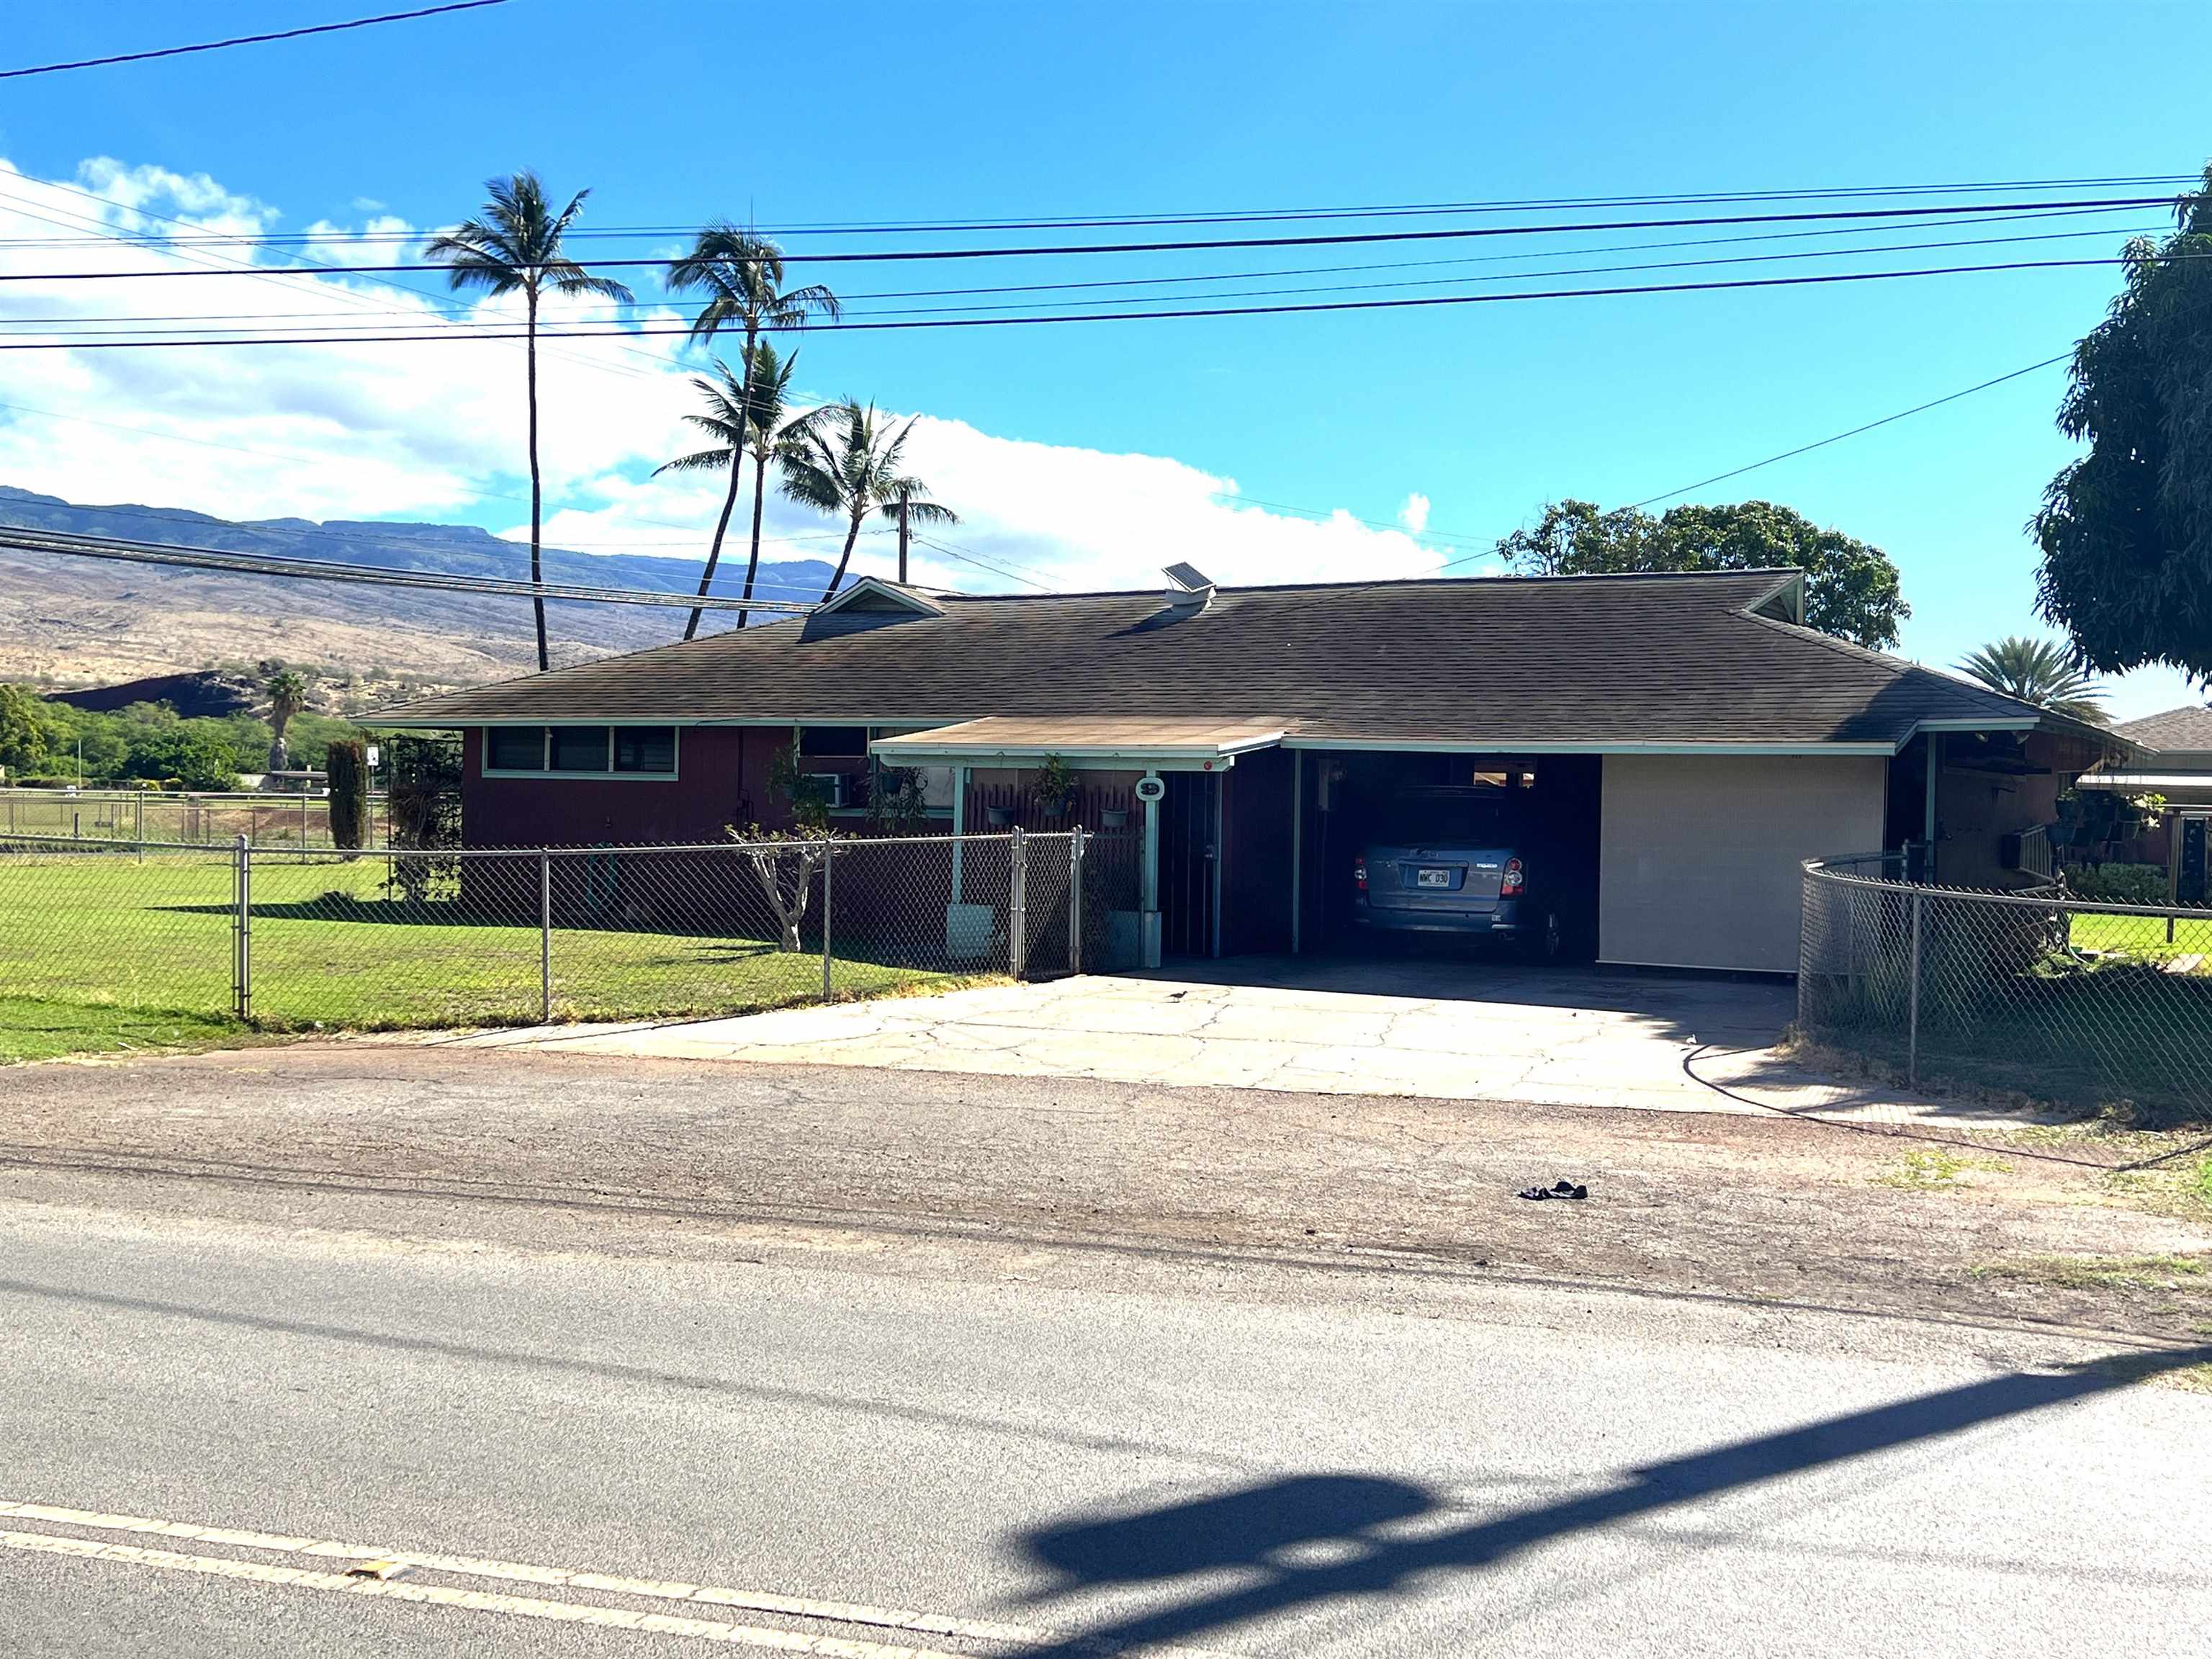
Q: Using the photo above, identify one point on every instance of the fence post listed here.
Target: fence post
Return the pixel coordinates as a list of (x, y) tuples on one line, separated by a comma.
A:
[(241, 966), (1912, 1013), (544, 936), (828, 859), (1075, 901), (1016, 914)]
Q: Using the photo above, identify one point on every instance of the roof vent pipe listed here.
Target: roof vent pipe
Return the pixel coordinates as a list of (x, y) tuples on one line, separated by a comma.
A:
[(1189, 589)]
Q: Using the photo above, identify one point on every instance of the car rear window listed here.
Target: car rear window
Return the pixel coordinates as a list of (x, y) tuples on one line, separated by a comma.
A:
[(1442, 818)]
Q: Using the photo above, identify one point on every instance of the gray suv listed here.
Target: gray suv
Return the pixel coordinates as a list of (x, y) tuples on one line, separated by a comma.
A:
[(1451, 860)]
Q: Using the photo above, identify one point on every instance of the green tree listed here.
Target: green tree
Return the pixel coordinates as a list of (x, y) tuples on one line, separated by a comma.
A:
[(347, 759), (287, 689), (847, 465), (2126, 529), (1852, 590), (23, 731), (2040, 673), (515, 247), (742, 416), (741, 275)]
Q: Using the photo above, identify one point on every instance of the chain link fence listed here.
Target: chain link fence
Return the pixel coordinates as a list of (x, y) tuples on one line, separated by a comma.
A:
[(291, 938), (157, 817), (2076, 1003)]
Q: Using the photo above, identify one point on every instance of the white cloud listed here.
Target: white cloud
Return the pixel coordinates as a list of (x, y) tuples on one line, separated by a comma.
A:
[(363, 430), (1415, 515)]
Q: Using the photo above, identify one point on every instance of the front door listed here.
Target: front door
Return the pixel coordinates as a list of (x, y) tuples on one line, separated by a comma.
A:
[(1189, 852)]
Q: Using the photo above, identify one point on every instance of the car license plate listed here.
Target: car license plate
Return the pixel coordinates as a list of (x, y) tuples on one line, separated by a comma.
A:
[(1432, 878)]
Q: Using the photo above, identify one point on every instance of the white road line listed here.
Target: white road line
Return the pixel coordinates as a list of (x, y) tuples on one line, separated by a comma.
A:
[(519, 1606), (470, 1566)]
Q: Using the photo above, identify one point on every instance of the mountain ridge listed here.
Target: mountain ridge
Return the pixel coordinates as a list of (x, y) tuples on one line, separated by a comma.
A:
[(71, 622)]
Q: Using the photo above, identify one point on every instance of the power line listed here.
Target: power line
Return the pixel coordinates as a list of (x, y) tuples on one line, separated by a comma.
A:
[(247, 564), (1253, 215), (1819, 443), (250, 39), (99, 326), (1333, 239), (1802, 449), (1310, 307)]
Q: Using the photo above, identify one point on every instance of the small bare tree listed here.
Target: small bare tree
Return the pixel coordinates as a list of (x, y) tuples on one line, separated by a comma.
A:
[(784, 860)]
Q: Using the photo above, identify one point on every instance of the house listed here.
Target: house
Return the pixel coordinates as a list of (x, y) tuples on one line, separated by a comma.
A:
[(1684, 740), (2173, 762)]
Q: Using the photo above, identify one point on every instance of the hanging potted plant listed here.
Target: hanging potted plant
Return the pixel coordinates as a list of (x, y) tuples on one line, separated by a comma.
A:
[(1055, 787)]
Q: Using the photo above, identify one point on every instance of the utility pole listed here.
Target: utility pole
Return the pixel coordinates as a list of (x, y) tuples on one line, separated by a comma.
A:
[(901, 539)]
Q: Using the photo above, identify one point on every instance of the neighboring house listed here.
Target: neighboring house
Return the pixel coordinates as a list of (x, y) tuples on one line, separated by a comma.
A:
[(1684, 740), (2173, 761)]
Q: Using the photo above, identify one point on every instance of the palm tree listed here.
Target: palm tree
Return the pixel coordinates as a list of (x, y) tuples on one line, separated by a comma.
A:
[(847, 464), (742, 416), (287, 696), (742, 276), (2040, 673), (516, 244)]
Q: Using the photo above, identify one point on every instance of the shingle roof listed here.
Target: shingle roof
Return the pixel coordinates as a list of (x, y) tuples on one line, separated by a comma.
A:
[(2185, 730), (1487, 662)]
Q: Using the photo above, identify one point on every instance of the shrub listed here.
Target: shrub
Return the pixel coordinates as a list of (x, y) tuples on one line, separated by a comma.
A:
[(2119, 883)]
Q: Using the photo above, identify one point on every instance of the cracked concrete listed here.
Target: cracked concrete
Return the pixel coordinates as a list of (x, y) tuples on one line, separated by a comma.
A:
[(1439, 1030)]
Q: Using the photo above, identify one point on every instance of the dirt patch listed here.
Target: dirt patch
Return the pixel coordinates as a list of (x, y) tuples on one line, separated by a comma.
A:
[(430, 1141)]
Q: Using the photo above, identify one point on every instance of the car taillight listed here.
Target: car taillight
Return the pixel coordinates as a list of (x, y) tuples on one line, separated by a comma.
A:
[(1359, 873), (1512, 885)]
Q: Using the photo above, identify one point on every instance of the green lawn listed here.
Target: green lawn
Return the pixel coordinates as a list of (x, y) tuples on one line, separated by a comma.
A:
[(44, 1029), (2143, 936), (103, 947)]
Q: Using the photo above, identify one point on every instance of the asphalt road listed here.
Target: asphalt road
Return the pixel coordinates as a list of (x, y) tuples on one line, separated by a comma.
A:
[(1253, 1458)]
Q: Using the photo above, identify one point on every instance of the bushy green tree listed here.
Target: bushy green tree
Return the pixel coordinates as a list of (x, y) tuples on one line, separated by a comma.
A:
[(23, 731), (1852, 590), (2126, 531)]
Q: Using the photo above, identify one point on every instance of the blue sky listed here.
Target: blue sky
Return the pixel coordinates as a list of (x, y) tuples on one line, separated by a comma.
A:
[(673, 113)]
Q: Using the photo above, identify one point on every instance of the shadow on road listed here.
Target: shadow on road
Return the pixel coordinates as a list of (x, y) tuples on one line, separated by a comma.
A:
[(1318, 1538)]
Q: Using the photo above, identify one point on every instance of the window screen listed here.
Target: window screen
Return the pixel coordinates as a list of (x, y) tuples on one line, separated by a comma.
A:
[(515, 749), (580, 748), (645, 749)]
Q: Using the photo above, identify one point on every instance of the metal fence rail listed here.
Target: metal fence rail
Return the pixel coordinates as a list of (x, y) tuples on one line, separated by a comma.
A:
[(290, 938), (2076, 1002), (196, 818)]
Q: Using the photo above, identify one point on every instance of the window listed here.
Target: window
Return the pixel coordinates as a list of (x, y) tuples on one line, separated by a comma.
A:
[(645, 749), (579, 748), (827, 742), (515, 749)]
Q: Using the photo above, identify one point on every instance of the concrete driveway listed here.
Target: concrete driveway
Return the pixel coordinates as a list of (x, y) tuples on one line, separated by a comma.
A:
[(1453, 1029)]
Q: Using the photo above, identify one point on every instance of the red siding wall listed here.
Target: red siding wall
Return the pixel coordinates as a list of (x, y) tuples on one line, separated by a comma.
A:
[(722, 778)]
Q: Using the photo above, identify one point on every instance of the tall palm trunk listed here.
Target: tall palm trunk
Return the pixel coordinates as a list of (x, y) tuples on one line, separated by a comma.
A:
[(752, 564), (537, 507), (714, 547), (845, 558)]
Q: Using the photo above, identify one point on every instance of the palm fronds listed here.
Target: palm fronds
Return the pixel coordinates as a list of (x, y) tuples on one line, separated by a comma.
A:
[(2039, 672)]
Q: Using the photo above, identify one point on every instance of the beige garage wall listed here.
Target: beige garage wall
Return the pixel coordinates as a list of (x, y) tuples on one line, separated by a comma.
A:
[(1698, 856)]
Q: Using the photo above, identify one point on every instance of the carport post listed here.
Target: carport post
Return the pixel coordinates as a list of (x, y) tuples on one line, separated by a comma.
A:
[(1297, 838)]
